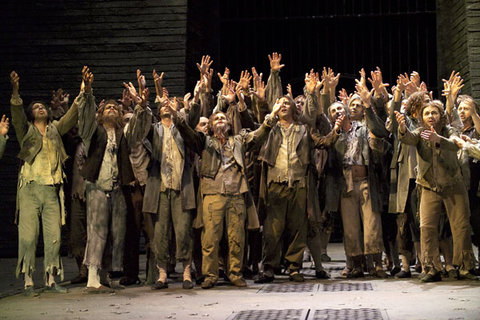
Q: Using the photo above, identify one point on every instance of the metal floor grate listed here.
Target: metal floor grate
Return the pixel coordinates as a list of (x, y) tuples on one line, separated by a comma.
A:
[(334, 287), (270, 314), (288, 288), (346, 314)]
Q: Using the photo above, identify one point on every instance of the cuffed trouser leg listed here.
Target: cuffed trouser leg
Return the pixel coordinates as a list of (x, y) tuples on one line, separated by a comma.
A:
[(286, 222), (39, 201), (217, 209)]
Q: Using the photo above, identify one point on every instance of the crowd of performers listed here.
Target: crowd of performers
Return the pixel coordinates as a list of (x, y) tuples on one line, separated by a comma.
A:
[(249, 180)]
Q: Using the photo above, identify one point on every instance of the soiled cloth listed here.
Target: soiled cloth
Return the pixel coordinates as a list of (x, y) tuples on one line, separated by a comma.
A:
[(288, 167)]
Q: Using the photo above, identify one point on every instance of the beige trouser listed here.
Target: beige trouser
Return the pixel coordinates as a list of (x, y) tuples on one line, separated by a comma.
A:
[(455, 200), (356, 209), (220, 209)]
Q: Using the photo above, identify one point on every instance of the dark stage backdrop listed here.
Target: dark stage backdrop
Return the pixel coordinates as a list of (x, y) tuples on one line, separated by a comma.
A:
[(47, 42)]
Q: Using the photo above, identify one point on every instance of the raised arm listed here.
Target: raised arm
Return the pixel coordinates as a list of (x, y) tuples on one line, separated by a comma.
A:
[(404, 135), (19, 118), (374, 123), (321, 141), (274, 83), (255, 139), (141, 122), (4, 126), (87, 125), (193, 139)]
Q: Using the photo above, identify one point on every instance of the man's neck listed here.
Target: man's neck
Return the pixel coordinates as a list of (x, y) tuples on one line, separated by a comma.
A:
[(41, 125), (166, 122), (286, 121), (109, 126), (467, 124)]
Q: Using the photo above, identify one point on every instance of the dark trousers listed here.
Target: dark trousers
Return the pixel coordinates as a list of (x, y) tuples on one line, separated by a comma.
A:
[(136, 222)]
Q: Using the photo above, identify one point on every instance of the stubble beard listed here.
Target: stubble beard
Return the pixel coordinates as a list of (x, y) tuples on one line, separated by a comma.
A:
[(220, 131)]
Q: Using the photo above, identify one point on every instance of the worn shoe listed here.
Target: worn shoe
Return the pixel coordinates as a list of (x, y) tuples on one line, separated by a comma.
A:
[(372, 272), (381, 274), (467, 276), (129, 281), (29, 292), (322, 275), (160, 285), (239, 283), (55, 288), (346, 272), (418, 268), (325, 258), (432, 277), (395, 271), (403, 274), (296, 277), (79, 279), (207, 284), (264, 279), (187, 284), (357, 273), (453, 274), (99, 290)]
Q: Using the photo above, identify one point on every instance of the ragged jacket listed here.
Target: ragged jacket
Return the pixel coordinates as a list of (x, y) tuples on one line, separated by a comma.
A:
[(141, 128), (209, 148), (31, 140), (95, 139)]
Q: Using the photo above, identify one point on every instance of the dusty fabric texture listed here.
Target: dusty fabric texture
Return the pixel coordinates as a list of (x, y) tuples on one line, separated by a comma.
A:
[(285, 224), (106, 225), (220, 210), (171, 218), (356, 210), (3, 144), (455, 201), (39, 202)]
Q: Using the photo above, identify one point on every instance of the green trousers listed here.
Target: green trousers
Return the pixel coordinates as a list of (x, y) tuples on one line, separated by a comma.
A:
[(39, 202)]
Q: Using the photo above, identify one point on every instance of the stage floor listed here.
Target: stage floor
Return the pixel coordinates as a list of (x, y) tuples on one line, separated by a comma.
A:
[(337, 298)]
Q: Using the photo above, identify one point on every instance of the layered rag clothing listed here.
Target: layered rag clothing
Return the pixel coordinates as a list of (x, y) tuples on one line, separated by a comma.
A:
[(40, 186)]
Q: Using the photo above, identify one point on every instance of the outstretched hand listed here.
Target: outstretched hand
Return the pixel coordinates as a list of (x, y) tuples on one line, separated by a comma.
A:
[(15, 81), (401, 122), (4, 126), (430, 135), (87, 79), (275, 59)]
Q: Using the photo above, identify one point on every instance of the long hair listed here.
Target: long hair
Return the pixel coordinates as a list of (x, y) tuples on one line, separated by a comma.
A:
[(119, 123), (337, 103), (293, 105), (415, 103), (437, 104), (210, 129), (469, 101), (29, 111)]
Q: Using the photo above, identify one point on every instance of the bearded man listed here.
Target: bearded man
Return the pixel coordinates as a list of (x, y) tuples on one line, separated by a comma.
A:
[(106, 170), (224, 186), (169, 191), (40, 185)]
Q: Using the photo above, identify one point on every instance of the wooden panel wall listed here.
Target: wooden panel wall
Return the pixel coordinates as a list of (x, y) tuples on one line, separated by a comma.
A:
[(47, 42), (458, 24)]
